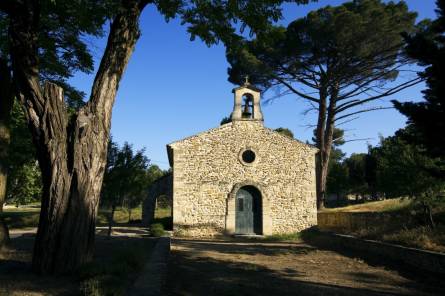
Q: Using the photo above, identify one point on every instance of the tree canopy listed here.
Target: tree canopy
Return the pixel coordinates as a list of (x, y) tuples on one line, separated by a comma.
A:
[(336, 59), (428, 117), (76, 142), (126, 178), (285, 132), (402, 169)]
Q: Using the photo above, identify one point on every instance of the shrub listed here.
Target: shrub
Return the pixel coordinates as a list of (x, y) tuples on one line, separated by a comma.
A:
[(284, 237), (157, 229)]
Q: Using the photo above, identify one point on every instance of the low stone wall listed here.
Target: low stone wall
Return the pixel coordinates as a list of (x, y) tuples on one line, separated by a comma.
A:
[(413, 259), (153, 277), (350, 221)]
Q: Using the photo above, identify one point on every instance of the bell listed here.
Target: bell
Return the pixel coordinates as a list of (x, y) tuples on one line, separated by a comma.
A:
[(246, 111)]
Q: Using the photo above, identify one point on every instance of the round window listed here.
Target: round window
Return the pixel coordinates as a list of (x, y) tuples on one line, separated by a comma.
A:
[(248, 156)]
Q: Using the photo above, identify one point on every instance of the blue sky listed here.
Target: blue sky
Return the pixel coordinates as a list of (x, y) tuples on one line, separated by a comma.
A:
[(174, 88)]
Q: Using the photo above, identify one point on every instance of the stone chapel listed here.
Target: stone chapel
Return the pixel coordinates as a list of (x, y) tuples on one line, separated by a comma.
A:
[(239, 178)]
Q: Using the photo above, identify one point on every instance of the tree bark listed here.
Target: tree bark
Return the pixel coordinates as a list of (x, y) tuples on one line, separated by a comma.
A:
[(324, 141), (71, 151), (428, 214), (6, 103), (322, 108)]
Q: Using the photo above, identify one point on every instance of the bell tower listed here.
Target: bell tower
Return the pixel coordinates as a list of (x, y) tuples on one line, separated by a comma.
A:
[(247, 103)]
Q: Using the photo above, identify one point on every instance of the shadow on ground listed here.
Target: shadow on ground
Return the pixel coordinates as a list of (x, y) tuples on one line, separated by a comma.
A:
[(247, 247), (323, 241), (16, 277), (206, 267)]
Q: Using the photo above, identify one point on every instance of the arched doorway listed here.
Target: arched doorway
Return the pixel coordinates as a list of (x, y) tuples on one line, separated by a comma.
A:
[(248, 208)]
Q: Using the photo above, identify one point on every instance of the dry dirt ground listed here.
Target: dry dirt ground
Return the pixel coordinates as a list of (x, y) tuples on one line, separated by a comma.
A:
[(224, 267)]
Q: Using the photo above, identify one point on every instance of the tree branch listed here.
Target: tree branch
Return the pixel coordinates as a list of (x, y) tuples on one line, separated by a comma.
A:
[(305, 96), (123, 35), (363, 111), (400, 87)]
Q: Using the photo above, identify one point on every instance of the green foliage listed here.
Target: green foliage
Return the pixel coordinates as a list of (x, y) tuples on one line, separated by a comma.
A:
[(24, 180), (24, 184), (358, 42), (285, 132), (338, 179), (154, 173), (296, 236), (157, 229), (126, 177), (225, 120), (427, 118), (356, 164), (62, 43), (337, 59), (403, 170), (215, 21)]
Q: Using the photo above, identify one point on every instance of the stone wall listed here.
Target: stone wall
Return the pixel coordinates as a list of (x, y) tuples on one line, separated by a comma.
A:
[(416, 260), (208, 170), (162, 186), (354, 221)]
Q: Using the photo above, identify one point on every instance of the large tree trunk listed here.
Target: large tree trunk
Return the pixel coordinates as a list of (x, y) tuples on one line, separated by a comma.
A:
[(324, 141), (319, 137), (6, 102), (71, 151)]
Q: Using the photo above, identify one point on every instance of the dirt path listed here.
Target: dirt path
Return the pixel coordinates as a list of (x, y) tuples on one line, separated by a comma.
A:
[(200, 267)]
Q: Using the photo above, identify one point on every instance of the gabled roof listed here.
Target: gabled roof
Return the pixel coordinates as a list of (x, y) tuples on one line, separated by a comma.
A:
[(174, 145), (249, 86)]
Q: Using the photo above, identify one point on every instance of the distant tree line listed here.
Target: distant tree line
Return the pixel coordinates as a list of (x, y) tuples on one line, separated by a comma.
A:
[(393, 168)]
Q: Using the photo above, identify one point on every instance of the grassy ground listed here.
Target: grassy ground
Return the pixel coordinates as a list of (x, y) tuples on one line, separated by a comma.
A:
[(407, 226), (389, 205), (28, 216)]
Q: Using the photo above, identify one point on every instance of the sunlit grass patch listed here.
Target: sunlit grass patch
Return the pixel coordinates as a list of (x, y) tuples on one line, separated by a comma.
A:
[(296, 236), (388, 205)]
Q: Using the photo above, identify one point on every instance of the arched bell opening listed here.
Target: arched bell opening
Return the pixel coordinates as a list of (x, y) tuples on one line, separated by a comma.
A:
[(247, 106)]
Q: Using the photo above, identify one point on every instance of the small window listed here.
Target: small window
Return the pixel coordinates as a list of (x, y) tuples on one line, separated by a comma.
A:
[(248, 156), (240, 204)]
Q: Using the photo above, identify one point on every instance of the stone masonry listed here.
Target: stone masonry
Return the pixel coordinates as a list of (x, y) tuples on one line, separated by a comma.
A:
[(208, 171)]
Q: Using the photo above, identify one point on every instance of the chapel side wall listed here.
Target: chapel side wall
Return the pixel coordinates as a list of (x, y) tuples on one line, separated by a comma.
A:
[(207, 168)]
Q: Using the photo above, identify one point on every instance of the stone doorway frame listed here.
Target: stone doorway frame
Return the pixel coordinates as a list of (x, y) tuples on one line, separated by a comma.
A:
[(231, 210)]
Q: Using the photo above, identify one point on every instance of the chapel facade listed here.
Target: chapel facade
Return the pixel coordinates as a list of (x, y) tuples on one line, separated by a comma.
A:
[(241, 177)]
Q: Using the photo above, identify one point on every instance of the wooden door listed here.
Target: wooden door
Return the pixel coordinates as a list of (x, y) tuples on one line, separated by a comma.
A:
[(244, 219)]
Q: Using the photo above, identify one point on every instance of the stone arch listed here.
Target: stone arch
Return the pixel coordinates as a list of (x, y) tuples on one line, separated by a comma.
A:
[(161, 187), (231, 211)]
